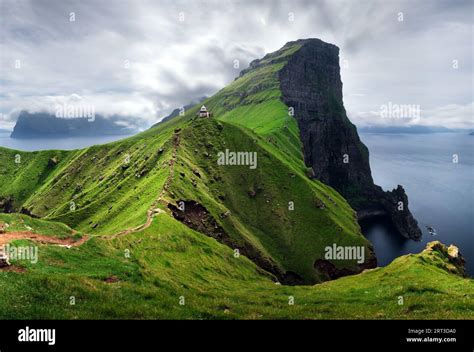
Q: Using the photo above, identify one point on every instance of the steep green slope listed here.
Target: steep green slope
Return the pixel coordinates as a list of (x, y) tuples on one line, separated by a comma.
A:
[(174, 272), (253, 100), (22, 173), (275, 208), (105, 189), (275, 214), (109, 188)]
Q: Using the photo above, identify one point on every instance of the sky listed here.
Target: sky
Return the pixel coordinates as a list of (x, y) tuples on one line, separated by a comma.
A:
[(141, 59)]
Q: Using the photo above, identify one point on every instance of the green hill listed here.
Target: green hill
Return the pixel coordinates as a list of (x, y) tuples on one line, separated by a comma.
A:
[(166, 221), (170, 271)]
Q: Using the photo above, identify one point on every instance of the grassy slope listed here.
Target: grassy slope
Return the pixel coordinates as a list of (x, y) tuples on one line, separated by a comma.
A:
[(20, 223), (108, 197), (168, 260), (294, 239), (22, 173), (109, 187)]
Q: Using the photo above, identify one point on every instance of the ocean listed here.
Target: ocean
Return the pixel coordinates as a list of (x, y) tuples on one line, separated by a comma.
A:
[(440, 191), (69, 143)]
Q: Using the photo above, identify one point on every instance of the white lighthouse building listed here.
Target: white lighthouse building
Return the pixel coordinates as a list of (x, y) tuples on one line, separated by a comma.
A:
[(203, 112)]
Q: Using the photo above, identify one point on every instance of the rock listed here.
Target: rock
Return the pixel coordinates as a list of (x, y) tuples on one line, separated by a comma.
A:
[(52, 162), (225, 214), (311, 84), (454, 262), (4, 261), (453, 252), (319, 203), (7, 204)]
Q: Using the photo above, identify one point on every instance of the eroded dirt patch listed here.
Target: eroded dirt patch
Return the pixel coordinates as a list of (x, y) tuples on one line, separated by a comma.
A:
[(28, 235), (198, 218)]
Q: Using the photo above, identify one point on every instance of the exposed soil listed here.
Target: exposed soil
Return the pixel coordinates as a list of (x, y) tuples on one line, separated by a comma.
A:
[(28, 235), (112, 279), (332, 272), (198, 218)]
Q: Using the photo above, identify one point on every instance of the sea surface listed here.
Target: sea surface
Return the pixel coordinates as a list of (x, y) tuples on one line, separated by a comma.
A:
[(70, 143), (440, 191)]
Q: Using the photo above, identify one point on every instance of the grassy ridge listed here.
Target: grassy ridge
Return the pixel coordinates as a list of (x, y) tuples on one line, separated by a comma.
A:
[(104, 189), (169, 262), (293, 238), (107, 188), (22, 173)]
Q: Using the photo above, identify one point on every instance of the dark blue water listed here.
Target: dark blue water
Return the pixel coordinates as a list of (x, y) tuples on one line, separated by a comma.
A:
[(69, 143), (440, 192)]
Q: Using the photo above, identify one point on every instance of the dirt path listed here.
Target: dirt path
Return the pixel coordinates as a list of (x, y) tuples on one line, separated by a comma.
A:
[(28, 235), (154, 210), (151, 212)]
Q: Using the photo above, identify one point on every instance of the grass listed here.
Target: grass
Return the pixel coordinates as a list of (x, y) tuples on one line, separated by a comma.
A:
[(21, 222), (289, 237), (105, 189), (169, 262)]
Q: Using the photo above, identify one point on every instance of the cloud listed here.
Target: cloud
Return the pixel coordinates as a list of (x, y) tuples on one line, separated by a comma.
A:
[(144, 58), (452, 115)]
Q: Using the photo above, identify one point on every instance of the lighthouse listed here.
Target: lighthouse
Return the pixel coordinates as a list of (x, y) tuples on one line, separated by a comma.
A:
[(203, 112)]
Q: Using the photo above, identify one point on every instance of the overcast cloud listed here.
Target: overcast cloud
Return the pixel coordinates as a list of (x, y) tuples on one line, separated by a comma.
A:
[(144, 58)]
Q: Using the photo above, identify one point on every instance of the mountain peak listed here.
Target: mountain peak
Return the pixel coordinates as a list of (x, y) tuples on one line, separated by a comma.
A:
[(310, 42)]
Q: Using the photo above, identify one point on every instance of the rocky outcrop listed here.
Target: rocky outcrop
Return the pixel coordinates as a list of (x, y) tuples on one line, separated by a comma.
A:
[(325, 267), (448, 258), (310, 83), (7, 204)]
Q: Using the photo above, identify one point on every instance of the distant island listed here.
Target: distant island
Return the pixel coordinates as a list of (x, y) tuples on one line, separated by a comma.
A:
[(45, 125)]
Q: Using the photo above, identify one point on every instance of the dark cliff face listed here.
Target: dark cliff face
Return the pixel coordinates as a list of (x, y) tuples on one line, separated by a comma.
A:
[(311, 84)]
